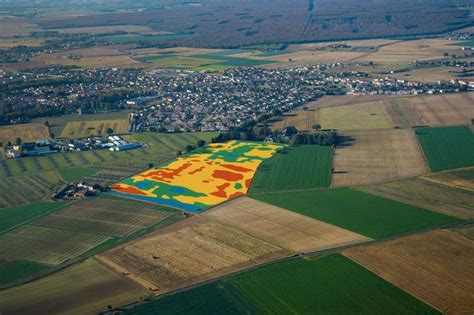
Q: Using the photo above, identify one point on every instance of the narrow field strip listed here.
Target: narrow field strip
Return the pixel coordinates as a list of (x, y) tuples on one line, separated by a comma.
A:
[(282, 227), (363, 213)]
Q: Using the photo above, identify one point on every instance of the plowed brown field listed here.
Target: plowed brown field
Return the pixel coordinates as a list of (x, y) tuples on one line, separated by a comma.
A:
[(376, 156), (282, 227), (431, 110), (435, 267), (189, 252)]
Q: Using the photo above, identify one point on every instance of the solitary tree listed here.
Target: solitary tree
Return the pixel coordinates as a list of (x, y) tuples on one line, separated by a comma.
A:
[(110, 131), (46, 123), (290, 131), (189, 148), (265, 132), (201, 143), (317, 127), (18, 141)]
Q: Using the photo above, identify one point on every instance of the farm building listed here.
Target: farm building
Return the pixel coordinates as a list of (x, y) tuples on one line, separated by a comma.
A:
[(125, 147)]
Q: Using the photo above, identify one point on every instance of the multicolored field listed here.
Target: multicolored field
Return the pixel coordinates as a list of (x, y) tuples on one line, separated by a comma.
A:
[(202, 179)]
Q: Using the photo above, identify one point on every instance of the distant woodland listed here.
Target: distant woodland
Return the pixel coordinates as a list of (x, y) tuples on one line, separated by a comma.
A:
[(231, 24)]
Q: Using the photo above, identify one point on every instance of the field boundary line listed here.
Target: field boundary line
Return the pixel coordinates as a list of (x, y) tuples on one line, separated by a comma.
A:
[(33, 219), (425, 177), (380, 276), (422, 152)]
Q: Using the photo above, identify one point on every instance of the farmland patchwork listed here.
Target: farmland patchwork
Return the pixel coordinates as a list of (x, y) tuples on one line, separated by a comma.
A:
[(202, 179)]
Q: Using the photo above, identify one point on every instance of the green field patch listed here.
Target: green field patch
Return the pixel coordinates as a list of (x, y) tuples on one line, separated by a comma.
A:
[(77, 173), (17, 216), (153, 58), (211, 68), (203, 62), (294, 168), (447, 147), (356, 211), (214, 298), (87, 287), (75, 230), (467, 43), (229, 61), (161, 146), (329, 284), (182, 62), (321, 285), (15, 191), (135, 38), (15, 270)]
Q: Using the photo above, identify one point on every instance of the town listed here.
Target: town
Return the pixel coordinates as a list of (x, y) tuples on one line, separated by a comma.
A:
[(178, 100)]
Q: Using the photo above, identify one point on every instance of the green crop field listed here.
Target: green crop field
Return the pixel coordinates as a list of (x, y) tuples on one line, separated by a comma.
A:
[(161, 146), (171, 142), (214, 298), (20, 190), (128, 39), (301, 167), (77, 173), (180, 62), (447, 147), (359, 212), (17, 270), (16, 216), (229, 61), (428, 194), (467, 43), (208, 62), (87, 288), (327, 285), (58, 233)]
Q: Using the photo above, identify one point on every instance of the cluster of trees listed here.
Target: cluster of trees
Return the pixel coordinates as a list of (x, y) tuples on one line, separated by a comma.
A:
[(199, 144), (105, 102), (246, 132), (325, 138), (251, 132)]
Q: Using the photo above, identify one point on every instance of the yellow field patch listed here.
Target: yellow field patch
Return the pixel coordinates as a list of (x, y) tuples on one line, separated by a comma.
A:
[(26, 132), (204, 178)]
